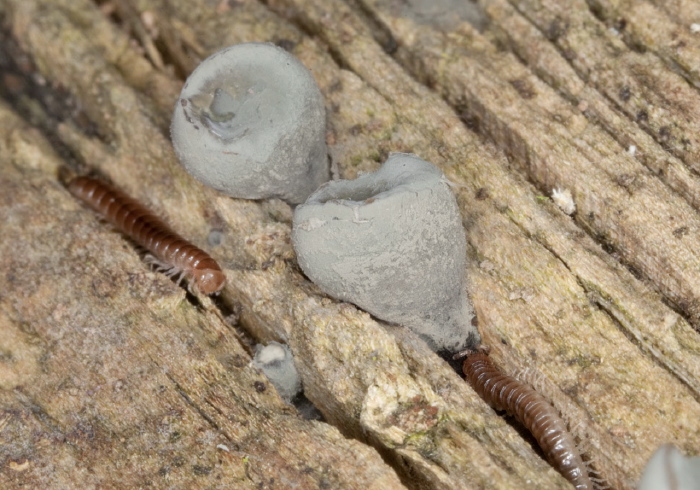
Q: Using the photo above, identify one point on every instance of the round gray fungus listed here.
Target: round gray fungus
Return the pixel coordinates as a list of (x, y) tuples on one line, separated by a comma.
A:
[(251, 123)]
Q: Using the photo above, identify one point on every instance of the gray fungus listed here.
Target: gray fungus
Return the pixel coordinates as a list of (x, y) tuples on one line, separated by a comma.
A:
[(669, 469), (277, 362), (250, 122), (392, 242)]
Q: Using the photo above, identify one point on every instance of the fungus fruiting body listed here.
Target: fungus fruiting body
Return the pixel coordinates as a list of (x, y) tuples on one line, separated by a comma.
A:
[(392, 243), (669, 469), (277, 362), (250, 122)]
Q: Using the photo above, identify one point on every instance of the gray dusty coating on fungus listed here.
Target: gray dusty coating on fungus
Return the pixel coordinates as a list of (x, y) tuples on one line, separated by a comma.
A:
[(277, 362), (392, 243), (668, 469), (250, 122)]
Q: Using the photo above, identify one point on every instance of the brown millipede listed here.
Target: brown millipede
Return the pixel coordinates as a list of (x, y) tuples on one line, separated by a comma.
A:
[(533, 411), (170, 251)]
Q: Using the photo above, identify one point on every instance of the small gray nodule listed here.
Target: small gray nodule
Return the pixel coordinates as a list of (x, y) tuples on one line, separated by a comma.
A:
[(277, 362)]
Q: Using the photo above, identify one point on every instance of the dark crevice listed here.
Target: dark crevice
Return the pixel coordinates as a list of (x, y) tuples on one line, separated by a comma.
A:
[(183, 393), (307, 29), (161, 48), (230, 312), (642, 345), (381, 33), (620, 25), (543, 244), (40, 414), (39, 102), (307, 409)]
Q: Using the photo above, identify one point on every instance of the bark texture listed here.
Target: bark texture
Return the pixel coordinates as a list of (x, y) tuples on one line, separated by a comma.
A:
[(111, 376)]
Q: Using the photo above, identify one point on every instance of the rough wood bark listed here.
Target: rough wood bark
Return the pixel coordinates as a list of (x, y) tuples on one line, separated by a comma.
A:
[(110, 376)]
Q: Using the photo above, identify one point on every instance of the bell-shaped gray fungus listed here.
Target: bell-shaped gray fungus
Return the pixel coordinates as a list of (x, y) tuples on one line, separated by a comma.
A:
[(277, 362), (392, 242), (250, 122)]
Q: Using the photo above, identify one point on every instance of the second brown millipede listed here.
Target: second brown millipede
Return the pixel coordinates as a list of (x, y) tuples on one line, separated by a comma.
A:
[(170, 251), (533, 411)]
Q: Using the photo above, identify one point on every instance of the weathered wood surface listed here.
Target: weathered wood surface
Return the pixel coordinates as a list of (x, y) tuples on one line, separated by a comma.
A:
[(110, 377)]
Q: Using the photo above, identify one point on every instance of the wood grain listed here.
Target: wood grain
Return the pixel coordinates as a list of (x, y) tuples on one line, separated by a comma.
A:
[(106, 364)]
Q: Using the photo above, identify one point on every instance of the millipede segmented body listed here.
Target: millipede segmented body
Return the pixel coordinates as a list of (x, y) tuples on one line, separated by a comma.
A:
[(533, 411), (170, 251)]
